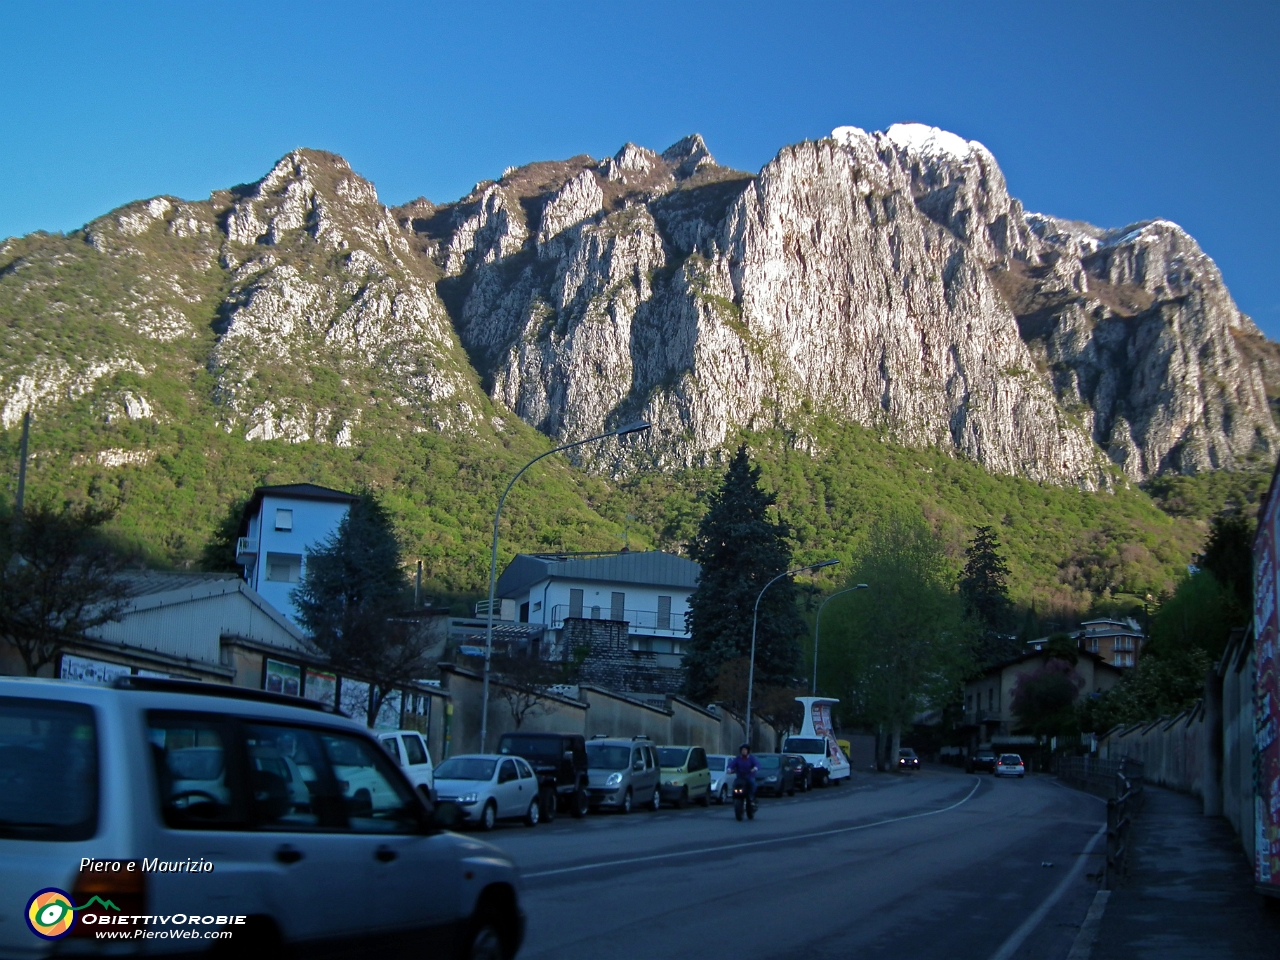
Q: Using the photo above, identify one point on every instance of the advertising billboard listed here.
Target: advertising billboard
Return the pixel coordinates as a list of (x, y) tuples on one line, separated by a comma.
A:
[(1266, 630)]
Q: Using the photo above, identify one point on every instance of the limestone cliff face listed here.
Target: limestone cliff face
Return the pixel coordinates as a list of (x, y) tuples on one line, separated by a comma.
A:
[(882, 278), (885, 278)]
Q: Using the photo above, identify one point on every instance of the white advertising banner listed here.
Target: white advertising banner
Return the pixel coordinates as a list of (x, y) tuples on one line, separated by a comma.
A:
[(91, 671)]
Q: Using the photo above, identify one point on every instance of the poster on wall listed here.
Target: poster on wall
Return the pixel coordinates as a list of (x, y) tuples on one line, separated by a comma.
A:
[(320, 686), (283, 678), (1266, 630), (91, 671), (353, 699)]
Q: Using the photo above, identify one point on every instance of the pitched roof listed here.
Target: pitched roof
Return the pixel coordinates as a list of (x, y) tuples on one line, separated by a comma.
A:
[(653, 568)]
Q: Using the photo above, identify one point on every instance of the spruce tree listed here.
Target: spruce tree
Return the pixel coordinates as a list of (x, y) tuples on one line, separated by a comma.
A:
[(741, 547), (984, 586)]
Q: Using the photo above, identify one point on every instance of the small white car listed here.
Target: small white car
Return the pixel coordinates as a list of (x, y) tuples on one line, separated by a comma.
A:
[(1010, 765), (409, 749), (721, 783), (259, 816), (488, 787)]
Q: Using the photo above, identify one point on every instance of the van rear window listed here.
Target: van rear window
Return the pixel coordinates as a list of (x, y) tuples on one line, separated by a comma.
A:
[(48, 770)]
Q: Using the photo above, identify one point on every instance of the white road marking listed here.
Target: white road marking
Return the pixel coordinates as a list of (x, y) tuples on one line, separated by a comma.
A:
[(752, 843), (1010, 946)]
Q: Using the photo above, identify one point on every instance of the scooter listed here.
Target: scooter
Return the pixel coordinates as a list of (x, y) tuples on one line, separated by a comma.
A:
[(741, 804)]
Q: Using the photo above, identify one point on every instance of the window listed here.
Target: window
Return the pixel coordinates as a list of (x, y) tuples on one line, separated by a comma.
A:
[(575, 603), (284, 567), (414, 750), (525, 772), (664, 613), (292, 785), (1092, 646), (284, 520), (595, 612), (1124, 659), (371, 795), (537, 606), (524, 612), (198, 788), (507, 772), (392, 748), (698, 759), (1124, 643), (49, 759), (617, 601), (991, 699)]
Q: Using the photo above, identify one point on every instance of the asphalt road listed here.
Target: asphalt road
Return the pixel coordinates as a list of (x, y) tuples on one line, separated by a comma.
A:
[(934, 864)]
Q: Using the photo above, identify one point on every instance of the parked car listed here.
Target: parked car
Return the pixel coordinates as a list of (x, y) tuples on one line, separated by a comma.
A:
[(171, 770), (685, 775), (1010, 765), (721, 783), (623, 774), (409, 749), (773, 777), (560, 761), (489, 787), (984, 761), (907, 759), (799, 771)]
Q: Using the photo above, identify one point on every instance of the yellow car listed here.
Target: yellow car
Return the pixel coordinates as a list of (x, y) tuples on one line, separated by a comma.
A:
[(685, 775)]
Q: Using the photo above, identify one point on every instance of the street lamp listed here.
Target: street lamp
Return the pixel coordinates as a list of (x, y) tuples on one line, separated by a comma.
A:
[(755, 616), (816, 621), (636, 427)]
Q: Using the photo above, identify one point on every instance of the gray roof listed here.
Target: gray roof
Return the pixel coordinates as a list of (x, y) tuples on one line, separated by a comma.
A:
[(144, 582), (655, 569)]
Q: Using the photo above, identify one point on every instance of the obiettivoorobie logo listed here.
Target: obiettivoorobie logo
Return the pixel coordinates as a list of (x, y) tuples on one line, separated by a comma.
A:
[(51, 914)]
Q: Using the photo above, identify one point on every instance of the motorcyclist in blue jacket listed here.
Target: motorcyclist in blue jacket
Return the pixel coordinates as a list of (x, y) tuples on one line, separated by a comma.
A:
[(746, 766)]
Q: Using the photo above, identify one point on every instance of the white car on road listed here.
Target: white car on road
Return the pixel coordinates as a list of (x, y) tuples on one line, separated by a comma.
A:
[(1010, 765), (488, 787)]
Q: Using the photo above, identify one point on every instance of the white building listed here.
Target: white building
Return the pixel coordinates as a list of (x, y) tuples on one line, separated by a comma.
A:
[(649, 591), (279, 524)]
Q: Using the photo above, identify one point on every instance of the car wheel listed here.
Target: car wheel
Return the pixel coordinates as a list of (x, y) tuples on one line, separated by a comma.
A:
[(724, 795), (682, 801), (486, 943), (489, 816), (534, 813), (705, 799), (581, 803), (626, 801), (655, 804)]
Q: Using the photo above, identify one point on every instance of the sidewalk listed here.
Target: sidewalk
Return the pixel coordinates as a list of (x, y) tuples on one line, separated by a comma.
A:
[(1189, 892)]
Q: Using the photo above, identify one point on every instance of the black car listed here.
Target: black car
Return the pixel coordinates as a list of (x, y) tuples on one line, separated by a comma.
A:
[(773, 777), (800, 772), (984, 761), (907, 759), (560, 761)]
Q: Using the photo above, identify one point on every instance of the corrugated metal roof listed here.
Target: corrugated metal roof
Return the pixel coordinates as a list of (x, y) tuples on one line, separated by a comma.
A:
[(653, 568), (143, 582)]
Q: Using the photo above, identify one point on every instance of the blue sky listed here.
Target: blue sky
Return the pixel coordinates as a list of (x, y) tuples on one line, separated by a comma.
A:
[(1108, 112)]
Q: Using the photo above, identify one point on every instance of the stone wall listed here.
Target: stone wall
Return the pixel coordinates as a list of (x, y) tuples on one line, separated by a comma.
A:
[(612, 664)]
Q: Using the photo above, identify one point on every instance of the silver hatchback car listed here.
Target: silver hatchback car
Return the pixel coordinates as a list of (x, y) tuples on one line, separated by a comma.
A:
[(623, 774)]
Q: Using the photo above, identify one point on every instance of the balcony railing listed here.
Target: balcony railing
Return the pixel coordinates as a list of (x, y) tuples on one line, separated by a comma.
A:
[(246, 549), (648, 621)]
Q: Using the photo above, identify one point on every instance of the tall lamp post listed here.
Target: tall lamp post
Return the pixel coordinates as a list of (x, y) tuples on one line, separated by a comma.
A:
[(755, 616), (636, 427), (816, 621)]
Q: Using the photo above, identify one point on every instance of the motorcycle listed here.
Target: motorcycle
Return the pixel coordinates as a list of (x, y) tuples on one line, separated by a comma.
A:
[(741, 803)]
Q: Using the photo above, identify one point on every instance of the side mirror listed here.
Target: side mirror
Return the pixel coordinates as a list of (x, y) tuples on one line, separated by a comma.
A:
[(638, 765), (445, 816)]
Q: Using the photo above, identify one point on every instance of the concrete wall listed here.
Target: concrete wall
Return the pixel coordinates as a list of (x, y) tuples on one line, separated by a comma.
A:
[(690, 724), (617, 715), (466, 693), (1171, 751)]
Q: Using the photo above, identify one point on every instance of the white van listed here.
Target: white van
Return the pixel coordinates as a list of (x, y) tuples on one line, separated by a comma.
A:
[(256, 823), (408, 749), (816, 742)]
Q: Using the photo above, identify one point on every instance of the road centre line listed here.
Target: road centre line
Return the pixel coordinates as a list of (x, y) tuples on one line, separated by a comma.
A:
[(751, 843), (1010, 946)]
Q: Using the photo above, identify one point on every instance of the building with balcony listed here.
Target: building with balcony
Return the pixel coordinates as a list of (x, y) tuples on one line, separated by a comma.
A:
[(278, 526), (1117, 642), (648, 592), (988, 698)]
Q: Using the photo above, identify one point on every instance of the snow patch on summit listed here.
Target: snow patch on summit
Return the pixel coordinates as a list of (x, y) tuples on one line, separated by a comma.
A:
[(931, 141)]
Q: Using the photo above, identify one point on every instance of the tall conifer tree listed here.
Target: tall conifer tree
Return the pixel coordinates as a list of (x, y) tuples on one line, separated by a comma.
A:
[(741, 547)]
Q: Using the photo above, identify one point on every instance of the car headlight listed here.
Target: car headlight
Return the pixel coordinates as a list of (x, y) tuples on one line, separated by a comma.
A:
[(614, 780), (469, 799)]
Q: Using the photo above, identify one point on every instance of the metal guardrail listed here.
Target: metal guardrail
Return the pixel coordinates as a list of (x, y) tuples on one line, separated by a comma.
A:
[(1121, 784)]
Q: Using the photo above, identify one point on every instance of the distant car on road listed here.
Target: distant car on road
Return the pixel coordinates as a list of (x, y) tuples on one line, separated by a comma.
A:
[(799, 771), (685, 775), (907, 759), (721, 782), (984, 761), (1010, 765), (489, 787)]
